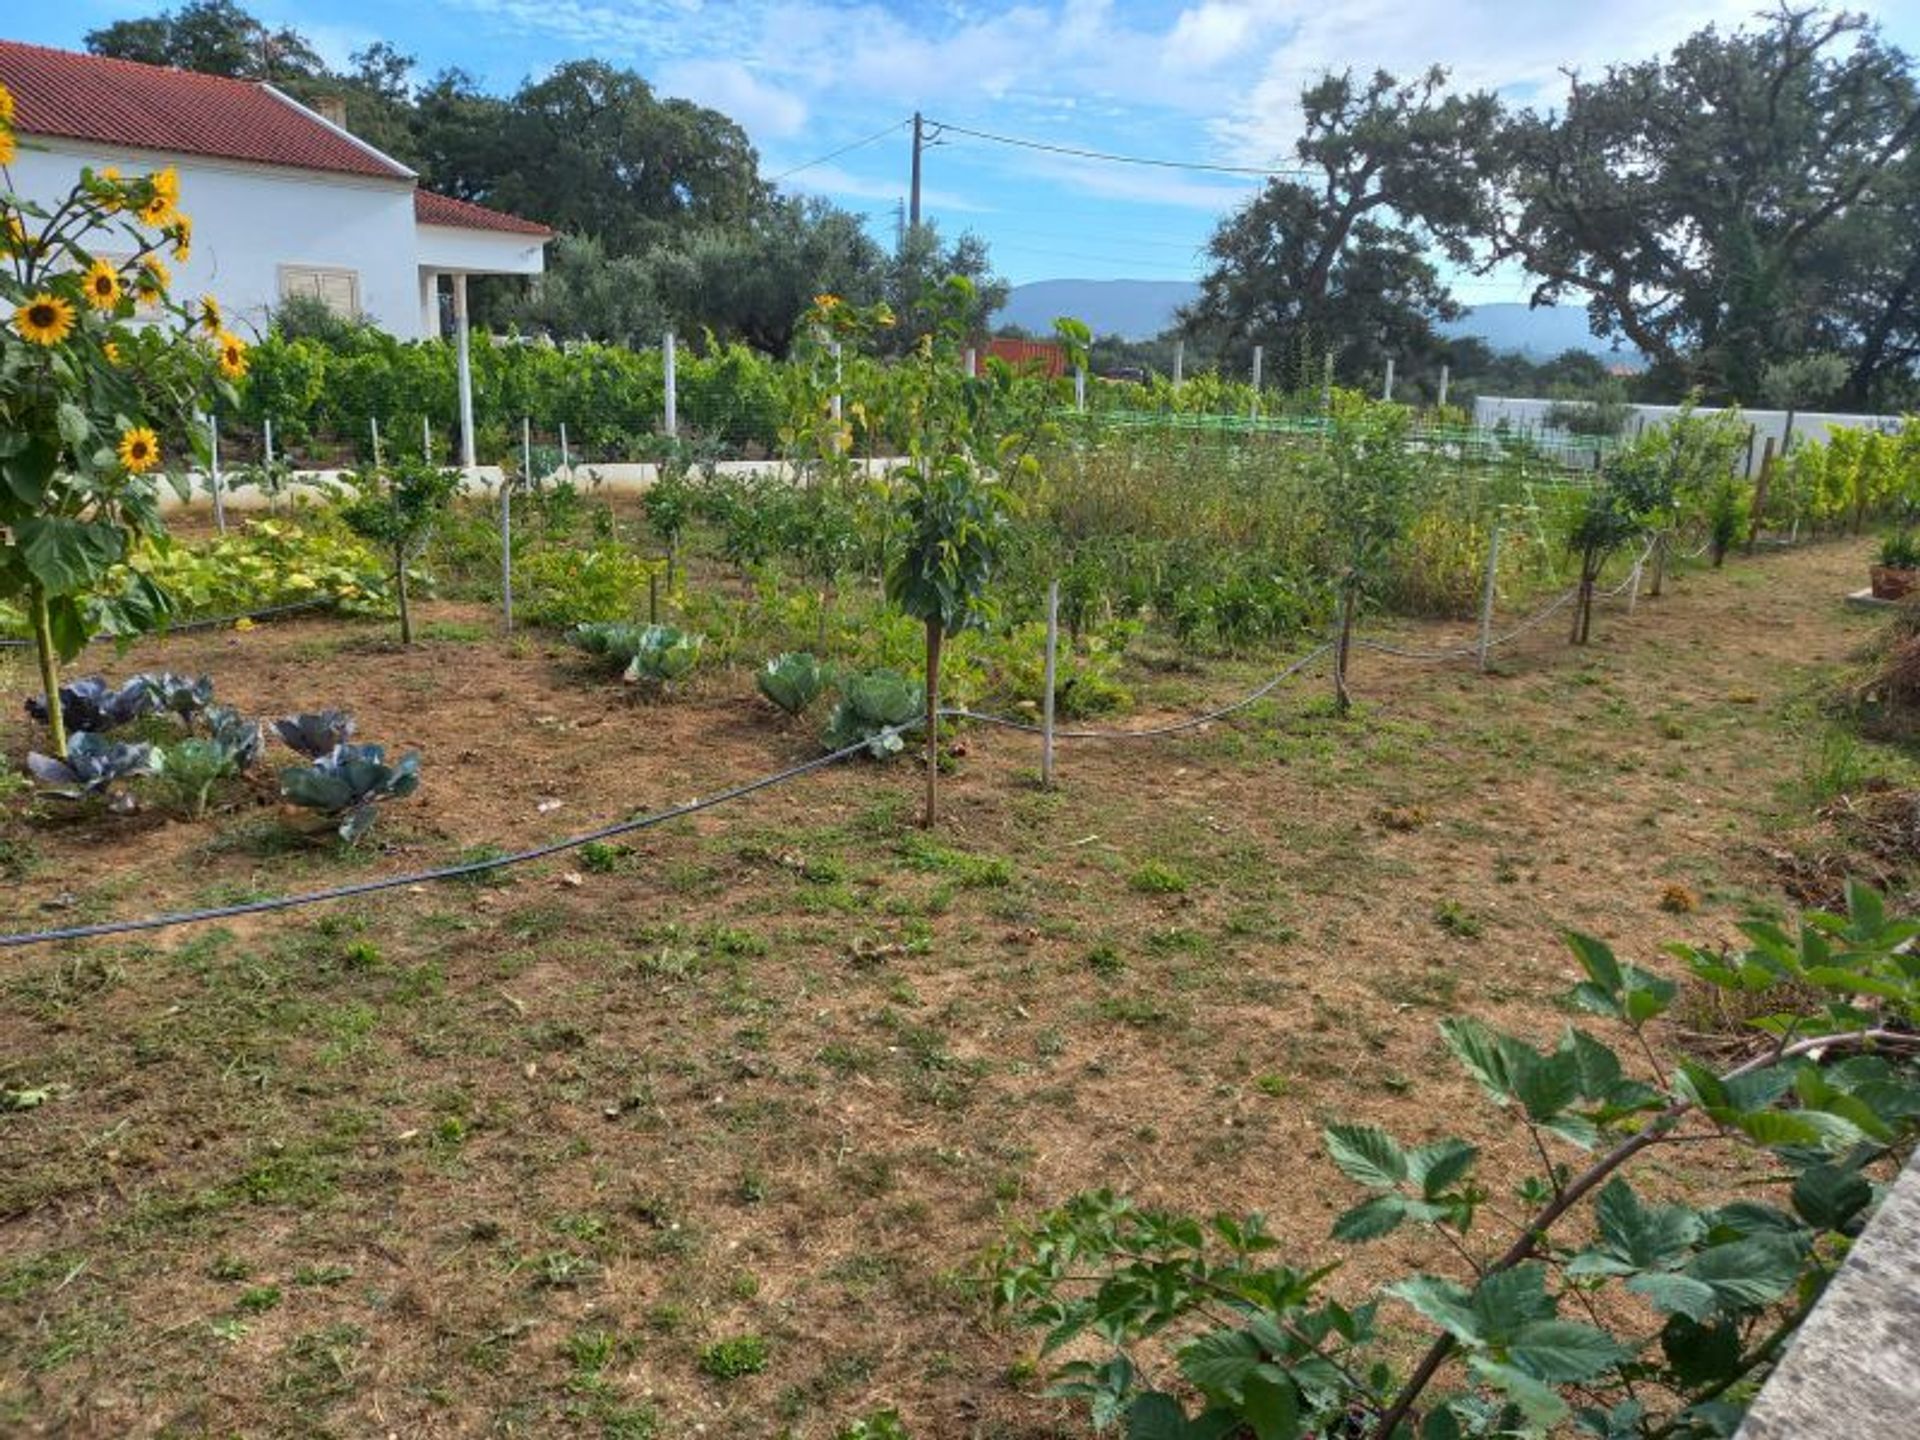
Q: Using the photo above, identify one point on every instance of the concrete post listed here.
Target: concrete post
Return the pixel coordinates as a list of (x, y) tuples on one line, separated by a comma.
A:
[(464, 363), (670, 365)]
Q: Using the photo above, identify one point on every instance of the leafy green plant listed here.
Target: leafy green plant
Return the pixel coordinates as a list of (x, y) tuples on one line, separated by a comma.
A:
[(792, 681), (396, 506), (735, 1357), (1900, 550), (567, 585), (350, 782), (657, 654), (872, 708), (187, 770), (179, 695), (1540, 1332)]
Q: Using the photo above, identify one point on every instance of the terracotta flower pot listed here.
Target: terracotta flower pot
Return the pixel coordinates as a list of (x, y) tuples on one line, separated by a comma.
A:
[(1892, 582)]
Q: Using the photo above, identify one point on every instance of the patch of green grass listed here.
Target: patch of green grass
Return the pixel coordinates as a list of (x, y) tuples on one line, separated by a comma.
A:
[(1458, 921), (1156, 878), (735, 1357), (973, 872)]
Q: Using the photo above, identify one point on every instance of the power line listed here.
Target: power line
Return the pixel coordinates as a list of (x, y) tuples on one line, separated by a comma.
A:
[(1118, 159), (843, 150)]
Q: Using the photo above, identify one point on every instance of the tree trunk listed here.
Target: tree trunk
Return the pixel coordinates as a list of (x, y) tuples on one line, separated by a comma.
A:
[(49, 668), (1660, 543), (400, 589), (1341, 648), (934, 637)]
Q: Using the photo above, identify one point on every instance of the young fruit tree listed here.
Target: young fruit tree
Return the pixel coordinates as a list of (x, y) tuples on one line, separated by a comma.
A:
[(951, 511), (396, 506), (101, 371), (1365, 478)]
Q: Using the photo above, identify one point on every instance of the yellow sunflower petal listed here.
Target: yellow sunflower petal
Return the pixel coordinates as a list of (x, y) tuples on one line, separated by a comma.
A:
[(44, 320)]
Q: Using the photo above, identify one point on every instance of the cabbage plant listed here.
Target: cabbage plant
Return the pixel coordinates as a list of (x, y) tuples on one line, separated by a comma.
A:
[(792, 681), (350, 782), (93, 765), (315, 732), (177, 694), (94, 705), (872, 708), (654, 653), (242, 739)]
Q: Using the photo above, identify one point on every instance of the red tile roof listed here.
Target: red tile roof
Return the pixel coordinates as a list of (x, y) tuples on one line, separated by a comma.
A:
[(151, 107), (432, 209)]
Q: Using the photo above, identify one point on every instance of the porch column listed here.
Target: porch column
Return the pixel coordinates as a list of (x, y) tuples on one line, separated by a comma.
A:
[(429, 304), (461, 344)]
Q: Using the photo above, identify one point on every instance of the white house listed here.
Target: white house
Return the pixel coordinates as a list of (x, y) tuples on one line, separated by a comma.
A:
[(284, 200)]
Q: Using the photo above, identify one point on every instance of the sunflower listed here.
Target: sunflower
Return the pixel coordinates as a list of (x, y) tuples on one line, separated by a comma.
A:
[(6, 106), (101, 285), (167, 185), (111, 350), (158, 211), (13, 237), (233, 355), (825, 302), (139, 450), (7, 148), (153, 279), (44, 320), (182, 237), (210, 315)]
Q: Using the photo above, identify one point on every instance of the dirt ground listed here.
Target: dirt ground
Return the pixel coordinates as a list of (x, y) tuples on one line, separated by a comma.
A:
[(513, 1157)]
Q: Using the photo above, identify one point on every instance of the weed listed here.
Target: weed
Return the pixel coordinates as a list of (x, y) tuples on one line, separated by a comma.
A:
[(1155, 878), (735, 1357), (259, 1299), (1105, 961), (1458, 921)]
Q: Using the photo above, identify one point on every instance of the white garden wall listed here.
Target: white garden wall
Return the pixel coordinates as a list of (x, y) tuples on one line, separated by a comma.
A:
[(1524, 415)]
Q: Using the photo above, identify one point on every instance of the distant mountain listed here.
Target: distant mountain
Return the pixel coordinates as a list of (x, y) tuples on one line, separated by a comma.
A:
[(1141, 309), (1538, 334), (1135, 309)]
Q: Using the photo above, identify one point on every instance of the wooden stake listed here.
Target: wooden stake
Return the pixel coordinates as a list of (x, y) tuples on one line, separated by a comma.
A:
[(213, 473), (506, 551)]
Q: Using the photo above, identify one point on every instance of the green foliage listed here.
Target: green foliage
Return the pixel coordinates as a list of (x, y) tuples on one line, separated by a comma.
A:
[(792, 681), (569, 585), (656, 654), (397, 507), (1532, 1337), (735, 1357), (351, 782), (873, 706), (1900, 550)]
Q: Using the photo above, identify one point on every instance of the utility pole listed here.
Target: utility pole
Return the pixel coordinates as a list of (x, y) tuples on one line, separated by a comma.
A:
[(919, 144)]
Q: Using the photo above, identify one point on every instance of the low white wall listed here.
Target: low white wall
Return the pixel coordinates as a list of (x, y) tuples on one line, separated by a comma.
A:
[(1529, 414), (621, 479)]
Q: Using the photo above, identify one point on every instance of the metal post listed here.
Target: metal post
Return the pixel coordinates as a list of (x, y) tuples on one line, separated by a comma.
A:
[(1386, 390), (266, 431), (1446, 374), (426, 439), (506, 552), (463, 359), (1633, 586), (670, 364), (1179, 363), (526, 450), (373, 428), (1046, 711), (1259, 354), (1326, 385), (973, 362), (1080, 388), (213, 473), (835, 404), (566, 456), (1487, 594)]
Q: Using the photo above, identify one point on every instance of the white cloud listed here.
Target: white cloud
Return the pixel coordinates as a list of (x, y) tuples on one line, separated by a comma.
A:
[(767, 111)]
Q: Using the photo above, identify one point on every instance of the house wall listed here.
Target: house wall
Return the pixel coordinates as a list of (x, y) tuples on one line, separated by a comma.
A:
[(446, 248), (248, 220)]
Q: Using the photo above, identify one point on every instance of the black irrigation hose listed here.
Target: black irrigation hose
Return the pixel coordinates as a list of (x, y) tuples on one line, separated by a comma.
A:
[(212, 622), (1153, 731), (620, 827), (446, 872)]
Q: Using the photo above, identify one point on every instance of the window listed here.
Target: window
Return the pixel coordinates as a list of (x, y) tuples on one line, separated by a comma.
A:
[(338, 290)]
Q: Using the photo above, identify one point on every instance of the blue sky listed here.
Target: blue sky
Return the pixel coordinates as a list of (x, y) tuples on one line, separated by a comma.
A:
[(1212, 80)]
